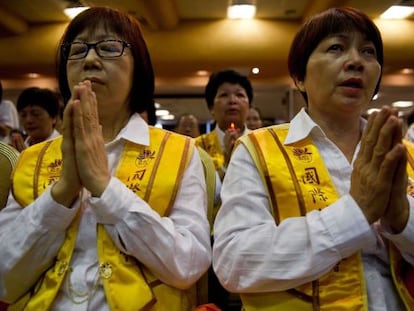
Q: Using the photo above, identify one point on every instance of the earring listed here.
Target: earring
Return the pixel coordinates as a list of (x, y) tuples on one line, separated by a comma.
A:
[(300, 86)]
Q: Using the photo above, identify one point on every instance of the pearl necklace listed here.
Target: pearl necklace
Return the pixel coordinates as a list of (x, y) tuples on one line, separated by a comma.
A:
[(79, 297)]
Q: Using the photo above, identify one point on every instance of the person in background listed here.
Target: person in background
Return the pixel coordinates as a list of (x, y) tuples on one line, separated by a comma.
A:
[(59, 120), (38, 110), (112, 214), (8, 159), (409, 127), (315, 214), (229, 96), (187, 124), (9, 119), (254, 119)]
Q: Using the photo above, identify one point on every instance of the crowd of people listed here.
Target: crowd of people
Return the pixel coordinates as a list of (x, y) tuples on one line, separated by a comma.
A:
[(101, 210)]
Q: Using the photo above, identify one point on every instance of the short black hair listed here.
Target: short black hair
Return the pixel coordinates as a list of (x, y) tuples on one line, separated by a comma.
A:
[(42, 97), (320, 26), (229, 76)]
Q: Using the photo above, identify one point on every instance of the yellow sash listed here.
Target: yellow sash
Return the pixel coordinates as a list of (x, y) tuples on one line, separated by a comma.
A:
[(298, 182), (126, 282), (398, 265), (211, 144)]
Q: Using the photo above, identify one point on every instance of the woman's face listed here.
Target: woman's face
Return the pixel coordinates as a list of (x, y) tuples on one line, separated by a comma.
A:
[(253, 120), (231, 105), (341, 74), (37, 122), (188, 125), (111, 78)]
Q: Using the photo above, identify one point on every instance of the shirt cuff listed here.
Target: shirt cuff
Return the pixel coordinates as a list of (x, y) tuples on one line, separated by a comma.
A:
[(348, 226), (405, 238), (48, 213), (113, 205)]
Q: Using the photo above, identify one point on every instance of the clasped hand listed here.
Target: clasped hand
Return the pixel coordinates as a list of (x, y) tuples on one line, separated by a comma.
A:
[(379, 177), (83, 149), (230, 137)]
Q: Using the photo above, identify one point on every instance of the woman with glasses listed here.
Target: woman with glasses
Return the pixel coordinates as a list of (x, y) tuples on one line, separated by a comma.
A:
[(112, 215)]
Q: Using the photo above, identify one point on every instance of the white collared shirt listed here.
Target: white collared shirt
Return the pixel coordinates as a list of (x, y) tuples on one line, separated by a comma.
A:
[(252, 254), (53, 135), (175, 248), (8, 117), (221, 133)]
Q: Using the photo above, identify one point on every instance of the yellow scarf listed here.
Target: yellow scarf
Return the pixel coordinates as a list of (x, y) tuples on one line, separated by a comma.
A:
[(154, 174), (298, 182), (210, 142)]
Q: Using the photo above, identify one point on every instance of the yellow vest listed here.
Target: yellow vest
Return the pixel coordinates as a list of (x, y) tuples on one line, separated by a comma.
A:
[(298, 182), (210, 142), (153, 173)]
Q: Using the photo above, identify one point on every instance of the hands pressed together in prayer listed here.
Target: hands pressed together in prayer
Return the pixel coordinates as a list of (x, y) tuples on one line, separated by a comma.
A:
[(230, 137), (83, 149), (17, 140), (379, 178)]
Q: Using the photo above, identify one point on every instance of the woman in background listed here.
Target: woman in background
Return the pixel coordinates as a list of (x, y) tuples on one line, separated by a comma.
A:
[(38, 110), (254, 119)]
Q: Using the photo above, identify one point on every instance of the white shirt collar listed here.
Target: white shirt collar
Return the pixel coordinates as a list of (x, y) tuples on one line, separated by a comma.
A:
[(136, 131), (303, 126), (220, 134), (54, 134)]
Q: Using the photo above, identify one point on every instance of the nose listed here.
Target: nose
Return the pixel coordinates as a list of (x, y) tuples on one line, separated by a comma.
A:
[(354, 60), (91, 59), (26, 118), (91, 52), (233, 98)]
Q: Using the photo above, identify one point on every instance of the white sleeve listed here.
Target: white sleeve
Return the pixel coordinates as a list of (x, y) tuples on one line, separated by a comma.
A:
[(176, 248), (252, 254), (8, 114), (30, 238), (404, 240)]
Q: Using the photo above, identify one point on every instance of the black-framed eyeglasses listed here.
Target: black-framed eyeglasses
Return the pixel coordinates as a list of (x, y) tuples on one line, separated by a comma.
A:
[(110, 48)]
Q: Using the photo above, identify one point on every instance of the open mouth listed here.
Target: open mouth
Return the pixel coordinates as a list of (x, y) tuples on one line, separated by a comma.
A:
[(354, 83)]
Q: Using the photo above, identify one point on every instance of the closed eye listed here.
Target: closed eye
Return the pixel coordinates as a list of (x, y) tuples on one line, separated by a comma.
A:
[(369, 51), (335, 47)]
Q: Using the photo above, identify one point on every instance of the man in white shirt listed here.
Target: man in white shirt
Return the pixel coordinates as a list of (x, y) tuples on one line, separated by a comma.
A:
[(8, 119)]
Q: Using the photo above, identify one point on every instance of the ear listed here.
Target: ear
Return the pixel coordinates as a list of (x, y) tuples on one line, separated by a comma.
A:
[(300, 85), (54, 121)]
